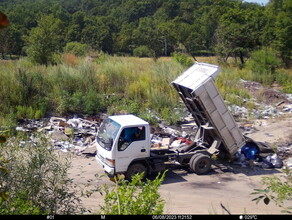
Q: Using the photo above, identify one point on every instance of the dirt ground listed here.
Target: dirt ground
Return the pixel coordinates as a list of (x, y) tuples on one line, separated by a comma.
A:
[(188, 193)]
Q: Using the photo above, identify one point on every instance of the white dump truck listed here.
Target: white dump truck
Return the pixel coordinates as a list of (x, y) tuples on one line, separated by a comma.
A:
[(124, 143)]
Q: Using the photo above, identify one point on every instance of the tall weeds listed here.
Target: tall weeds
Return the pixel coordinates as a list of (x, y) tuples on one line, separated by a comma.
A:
[(107, 84), (87, 87)]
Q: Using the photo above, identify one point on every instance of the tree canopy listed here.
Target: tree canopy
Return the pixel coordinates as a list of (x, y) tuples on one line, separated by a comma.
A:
[(229, 28)]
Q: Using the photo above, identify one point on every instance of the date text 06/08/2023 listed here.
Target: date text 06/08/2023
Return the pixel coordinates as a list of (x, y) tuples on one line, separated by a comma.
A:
[(172, 217)]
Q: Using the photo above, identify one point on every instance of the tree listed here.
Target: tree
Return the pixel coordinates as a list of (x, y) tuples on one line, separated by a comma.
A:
[(232, 27), (45, 40), (147, 34), (98, 33), (237, 33), (4, 43), (124, 39), (11, 42), (165, 30), (74, 33), (278, 30), (191, 37)]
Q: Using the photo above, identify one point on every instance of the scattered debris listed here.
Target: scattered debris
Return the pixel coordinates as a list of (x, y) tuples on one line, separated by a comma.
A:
[(250, 151), (253, 155), (272, 102), (272, 161), (78, 134), (75, 134), (268, 95), (289, 163)]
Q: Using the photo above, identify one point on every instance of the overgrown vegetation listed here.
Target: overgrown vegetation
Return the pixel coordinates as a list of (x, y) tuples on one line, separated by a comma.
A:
[(116, 85), (33, 178), (111, 84), (183, 59), (136, 197)]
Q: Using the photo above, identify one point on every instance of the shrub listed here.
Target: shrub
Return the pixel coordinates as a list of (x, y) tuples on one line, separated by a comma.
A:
[(33, 91), (35, 179), (143, 51), (92, 103), (263, 63), (285, 80), (230, 89), (149, 116), (77, 48), (133, 198), (137, 90), (28, 112), (183, 59)]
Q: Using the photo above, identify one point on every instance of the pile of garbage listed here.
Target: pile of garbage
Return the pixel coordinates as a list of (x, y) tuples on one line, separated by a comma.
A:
[(78, 135), (80, 131), (259, 154), (165, 136), (75, 134), (262, 111)]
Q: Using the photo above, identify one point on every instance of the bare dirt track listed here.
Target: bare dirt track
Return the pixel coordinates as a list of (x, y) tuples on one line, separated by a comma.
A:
[(188, 193)]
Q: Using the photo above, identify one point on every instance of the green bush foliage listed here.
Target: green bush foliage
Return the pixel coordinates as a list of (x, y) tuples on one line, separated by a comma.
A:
[(133, 198), (143, 51), (77, 48), (183, 59), (263, 63), (277, 190), (33, 179)]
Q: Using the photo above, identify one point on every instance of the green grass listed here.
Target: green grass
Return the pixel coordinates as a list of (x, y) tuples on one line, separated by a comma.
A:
[(109, 84), (114, 84), (230, 88)]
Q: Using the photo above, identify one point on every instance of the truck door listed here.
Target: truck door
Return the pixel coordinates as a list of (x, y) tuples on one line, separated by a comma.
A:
[(132, 144)]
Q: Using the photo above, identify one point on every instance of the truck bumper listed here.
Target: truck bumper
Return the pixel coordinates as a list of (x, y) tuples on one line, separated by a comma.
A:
[(109, 170)]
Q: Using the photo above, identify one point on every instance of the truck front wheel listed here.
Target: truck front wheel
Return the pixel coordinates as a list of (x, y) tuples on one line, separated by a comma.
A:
[(135, 168), (200, 163)]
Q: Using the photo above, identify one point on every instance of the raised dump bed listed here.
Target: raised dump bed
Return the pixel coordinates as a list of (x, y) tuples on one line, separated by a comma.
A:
[(217, 127)]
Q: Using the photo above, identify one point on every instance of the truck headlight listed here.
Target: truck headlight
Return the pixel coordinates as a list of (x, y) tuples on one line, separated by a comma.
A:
[(110, 162)]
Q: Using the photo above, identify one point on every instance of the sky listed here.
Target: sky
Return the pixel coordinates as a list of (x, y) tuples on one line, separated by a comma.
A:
[(264, 2)]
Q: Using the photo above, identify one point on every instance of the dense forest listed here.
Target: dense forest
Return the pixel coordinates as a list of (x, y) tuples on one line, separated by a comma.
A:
[(153, 28)]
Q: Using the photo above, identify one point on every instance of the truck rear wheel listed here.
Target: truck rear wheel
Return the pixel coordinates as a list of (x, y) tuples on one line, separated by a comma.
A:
[(200, 163), (135, 168)]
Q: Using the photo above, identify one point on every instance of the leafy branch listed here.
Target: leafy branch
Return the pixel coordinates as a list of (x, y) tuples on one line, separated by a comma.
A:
[(277, 190)]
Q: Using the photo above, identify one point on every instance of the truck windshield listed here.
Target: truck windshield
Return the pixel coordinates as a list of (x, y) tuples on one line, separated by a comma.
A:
[(107, 133)]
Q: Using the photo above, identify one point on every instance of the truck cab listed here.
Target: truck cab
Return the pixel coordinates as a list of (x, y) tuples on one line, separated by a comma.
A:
[(122, 140)]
